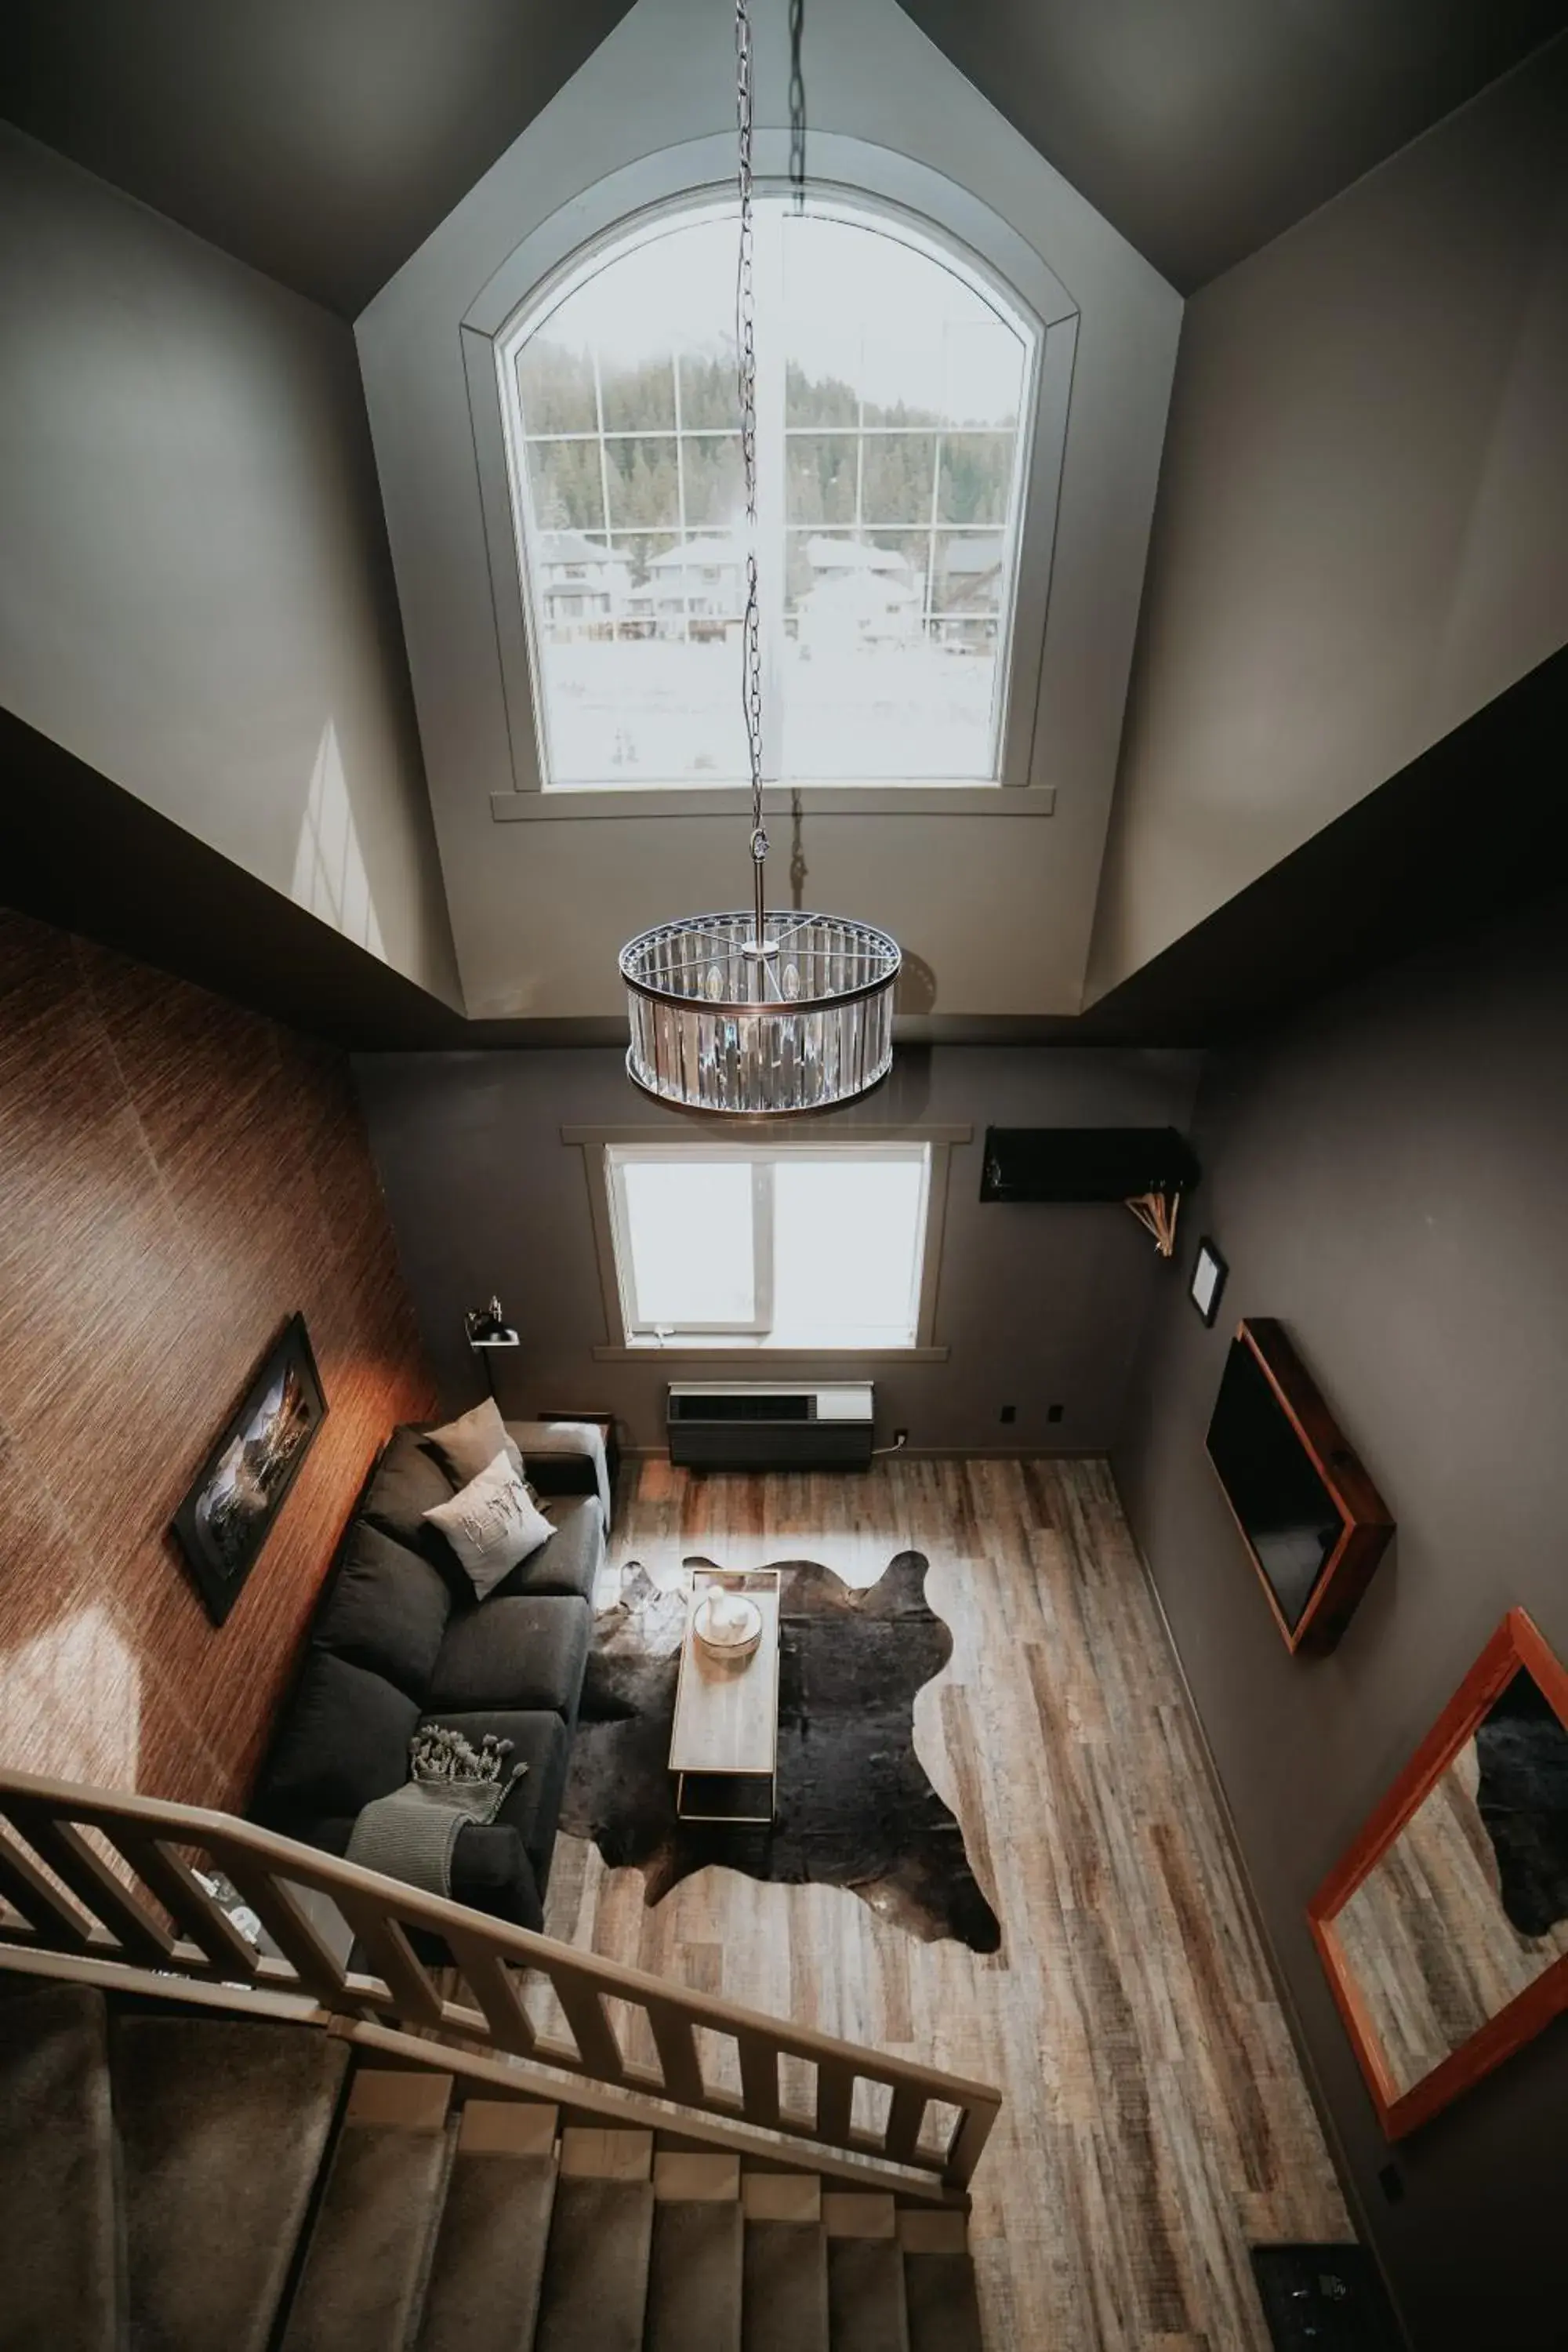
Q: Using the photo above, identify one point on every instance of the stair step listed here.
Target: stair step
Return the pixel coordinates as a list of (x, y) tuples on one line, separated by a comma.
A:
[(939, 2283), (866, 2304), (223, 2125), (595, 2293), (489, 2264), (784, 2303), (695, 2275), (59, 2237), (365, 2266)]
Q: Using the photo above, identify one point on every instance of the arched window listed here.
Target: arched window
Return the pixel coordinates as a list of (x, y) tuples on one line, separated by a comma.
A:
[(896, 395)]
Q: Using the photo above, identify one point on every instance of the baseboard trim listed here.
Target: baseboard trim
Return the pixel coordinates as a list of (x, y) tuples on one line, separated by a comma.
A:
[(1349, 2189), (920, 1454)]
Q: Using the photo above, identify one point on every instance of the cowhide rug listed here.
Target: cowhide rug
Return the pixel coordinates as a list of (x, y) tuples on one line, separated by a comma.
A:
[(854, 1807)]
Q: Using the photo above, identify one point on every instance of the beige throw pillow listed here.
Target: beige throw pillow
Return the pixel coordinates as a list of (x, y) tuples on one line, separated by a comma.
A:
[(469, 1445), (492, 1524)]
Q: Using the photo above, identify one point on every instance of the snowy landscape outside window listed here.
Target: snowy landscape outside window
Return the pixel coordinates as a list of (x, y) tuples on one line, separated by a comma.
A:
[(894, 388)]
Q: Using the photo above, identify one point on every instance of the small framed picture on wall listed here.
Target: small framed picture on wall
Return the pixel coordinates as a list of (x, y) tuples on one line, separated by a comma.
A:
[(1210, 1271)]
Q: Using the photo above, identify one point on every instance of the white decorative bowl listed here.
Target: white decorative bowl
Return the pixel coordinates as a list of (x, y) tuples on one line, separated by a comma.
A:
[(736, 1640)]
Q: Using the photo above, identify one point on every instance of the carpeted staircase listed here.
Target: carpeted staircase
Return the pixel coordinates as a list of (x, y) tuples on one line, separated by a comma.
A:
[(179, 2182)]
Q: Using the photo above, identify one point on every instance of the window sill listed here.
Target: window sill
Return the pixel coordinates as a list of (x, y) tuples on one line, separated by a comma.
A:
[(728, 1357), (815, 800)]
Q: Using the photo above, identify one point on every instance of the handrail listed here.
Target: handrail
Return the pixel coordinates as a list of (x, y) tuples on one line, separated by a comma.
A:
[(150, 1910)]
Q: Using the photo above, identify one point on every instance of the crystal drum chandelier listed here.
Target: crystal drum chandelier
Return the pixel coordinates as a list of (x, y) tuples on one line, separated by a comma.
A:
[(754, 1014)]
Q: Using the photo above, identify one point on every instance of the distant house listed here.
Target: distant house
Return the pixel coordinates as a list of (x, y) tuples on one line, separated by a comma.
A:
[(584, 586), (970, 594), (696, 589), (860, 594)]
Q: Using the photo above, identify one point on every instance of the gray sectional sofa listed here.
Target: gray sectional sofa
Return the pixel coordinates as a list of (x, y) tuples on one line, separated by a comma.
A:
[(398, 1640)]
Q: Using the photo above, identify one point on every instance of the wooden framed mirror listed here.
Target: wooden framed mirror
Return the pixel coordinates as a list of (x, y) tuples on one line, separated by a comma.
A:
[(1445, 1928)]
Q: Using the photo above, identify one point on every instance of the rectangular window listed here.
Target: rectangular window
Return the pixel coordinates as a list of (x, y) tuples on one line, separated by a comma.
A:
[(790, 1247)]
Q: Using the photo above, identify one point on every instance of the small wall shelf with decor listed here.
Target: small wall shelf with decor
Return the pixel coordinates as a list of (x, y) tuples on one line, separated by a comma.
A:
[(1314, 1525), (1148, 1169)]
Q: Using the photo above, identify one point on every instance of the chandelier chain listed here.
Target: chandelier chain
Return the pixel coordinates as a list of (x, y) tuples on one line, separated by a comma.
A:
[(746, 366)]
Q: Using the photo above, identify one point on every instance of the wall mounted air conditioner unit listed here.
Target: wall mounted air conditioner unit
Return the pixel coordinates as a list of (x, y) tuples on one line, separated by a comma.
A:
[(769, 1425)]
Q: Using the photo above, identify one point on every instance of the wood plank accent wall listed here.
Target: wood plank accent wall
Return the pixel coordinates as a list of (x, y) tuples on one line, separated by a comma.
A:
[(176, 1177)]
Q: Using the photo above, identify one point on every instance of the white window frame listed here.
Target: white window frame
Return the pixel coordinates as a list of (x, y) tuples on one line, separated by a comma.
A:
[(774, 434), (606, 1149), (871, 180)]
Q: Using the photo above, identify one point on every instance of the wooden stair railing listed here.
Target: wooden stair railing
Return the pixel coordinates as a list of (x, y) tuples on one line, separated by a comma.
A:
[(61, 1892)]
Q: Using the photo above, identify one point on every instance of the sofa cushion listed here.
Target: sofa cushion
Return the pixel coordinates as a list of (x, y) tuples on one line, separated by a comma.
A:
[(515, 1653), (407, 1482), (345, 1740), (492, 1524), (569, 1561), (386, 1609), (533, 1805), (465, 1446)]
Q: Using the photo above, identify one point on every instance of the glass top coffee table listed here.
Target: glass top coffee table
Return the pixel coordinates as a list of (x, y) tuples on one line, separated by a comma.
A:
[(723, 1743)]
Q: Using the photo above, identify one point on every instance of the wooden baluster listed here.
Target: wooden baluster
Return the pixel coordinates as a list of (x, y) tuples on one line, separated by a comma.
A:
[(142, 1938), (296, 1935), (906, 2114), (56, 1923), (759, 2076), (584, 2006), (835, 2100), (968, 2140), (498, 1989), (678, 2059), (201, 1919), (393, 1956)]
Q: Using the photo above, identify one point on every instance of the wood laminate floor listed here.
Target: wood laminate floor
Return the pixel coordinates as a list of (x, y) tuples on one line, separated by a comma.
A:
[(1155, 2119)]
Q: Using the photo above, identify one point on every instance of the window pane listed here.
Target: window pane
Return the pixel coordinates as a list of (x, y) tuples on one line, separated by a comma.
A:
[(710, 395), (644, 485), (847, 1244), (567, 490), (689, 1229), (820, 477), (714, 487), (555, 384), (900, 469), (976, 476), (967, 577)]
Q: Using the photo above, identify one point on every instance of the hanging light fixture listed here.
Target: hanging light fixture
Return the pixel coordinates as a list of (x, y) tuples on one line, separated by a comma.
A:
[(757, 1013)]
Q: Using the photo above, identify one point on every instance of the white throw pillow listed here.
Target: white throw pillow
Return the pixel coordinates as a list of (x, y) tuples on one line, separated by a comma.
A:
[(492, 1524), (468, 1445)]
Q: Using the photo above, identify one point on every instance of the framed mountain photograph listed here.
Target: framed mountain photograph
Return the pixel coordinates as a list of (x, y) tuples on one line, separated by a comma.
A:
[(228, 1516)]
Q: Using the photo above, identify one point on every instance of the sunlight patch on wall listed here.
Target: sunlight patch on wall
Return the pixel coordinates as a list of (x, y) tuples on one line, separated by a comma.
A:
[(72, 1702), (329, 876)]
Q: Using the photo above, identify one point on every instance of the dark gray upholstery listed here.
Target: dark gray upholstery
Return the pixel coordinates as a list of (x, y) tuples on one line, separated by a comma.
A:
[(407, 1482), (345, 1741), (386, 1609), (569, 1562), (399, 1640), (540, 1741), (513, 1653)]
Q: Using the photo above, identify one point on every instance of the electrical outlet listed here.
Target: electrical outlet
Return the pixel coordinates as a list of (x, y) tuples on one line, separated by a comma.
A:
[(1009, 1413), (1053, 1413)]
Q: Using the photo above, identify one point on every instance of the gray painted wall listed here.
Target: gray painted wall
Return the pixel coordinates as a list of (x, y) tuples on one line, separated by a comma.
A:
[(650, 112), (1359, 535), (1387, 1178), (1039, 1305), (196, 597)]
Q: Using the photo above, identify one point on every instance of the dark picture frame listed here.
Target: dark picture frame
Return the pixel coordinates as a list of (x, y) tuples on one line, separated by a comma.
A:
[(233, 1504), (1206, 1287)]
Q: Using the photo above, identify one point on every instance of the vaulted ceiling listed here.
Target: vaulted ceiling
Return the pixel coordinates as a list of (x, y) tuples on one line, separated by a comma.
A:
[(321, 140)]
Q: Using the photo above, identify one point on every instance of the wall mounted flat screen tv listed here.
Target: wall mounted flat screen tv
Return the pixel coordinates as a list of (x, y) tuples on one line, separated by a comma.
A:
[(1308, 1512)]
